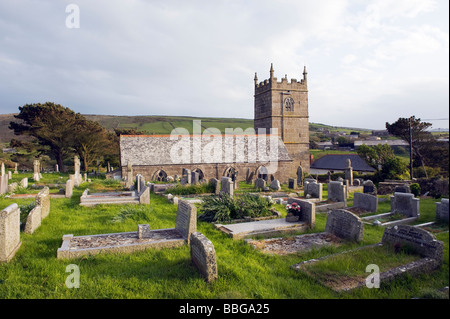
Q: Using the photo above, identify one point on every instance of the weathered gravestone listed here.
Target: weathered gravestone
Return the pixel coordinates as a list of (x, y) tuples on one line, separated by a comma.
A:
[(9, 232), (129, 182), (275, 185), (43, 200), (203, 255), (227, 186), (186, 220), (144, 231), (419, 240), (34, 220), (292, 183), (365, 201), (313, 189), (3, 180), (260, 183), (337, 192), (442, 210), (369, 187), (345, 225), (15, 169), (405, 204)]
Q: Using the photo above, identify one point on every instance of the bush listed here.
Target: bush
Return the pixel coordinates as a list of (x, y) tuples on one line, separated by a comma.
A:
[(226, 208), (201, 188), (415, 189)]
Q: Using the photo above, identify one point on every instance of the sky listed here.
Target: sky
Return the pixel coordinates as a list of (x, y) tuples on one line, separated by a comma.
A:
[(368, 62)]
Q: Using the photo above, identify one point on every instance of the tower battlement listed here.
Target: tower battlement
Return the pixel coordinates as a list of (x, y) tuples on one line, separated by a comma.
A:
[(284, 84)]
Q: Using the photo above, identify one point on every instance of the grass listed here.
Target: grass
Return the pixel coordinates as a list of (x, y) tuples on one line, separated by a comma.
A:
[(168, 273)]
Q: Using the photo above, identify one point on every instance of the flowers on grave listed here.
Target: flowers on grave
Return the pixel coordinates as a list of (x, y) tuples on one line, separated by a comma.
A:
[(293, 209)]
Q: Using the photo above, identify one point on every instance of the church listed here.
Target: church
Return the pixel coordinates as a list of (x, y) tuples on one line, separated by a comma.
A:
[(277, 147)]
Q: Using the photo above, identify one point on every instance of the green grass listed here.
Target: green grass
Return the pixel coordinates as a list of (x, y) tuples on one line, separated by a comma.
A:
[(243, 272)]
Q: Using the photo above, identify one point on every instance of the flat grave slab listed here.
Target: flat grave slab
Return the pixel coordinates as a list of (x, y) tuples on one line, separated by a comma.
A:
[(262, 227), (73, 247), (299, 243)]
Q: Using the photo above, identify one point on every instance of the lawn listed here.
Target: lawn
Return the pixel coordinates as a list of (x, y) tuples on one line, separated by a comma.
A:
[(243, 272)]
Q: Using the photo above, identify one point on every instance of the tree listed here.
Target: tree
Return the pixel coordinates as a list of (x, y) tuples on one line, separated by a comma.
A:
[(90, 141), (415, 133), (51, 124)]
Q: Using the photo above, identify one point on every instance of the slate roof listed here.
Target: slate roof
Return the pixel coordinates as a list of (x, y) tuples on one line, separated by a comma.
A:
[(160, 149), (339, 162)]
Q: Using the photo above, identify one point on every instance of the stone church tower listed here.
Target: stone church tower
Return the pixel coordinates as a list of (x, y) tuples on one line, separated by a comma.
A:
[(284, 105)]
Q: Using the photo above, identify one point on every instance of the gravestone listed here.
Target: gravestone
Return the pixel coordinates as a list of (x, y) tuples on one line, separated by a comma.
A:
[(9, 232), (307, 211), (186, 177), (337, 192), (129, 181), (57, 168), (216, 185), (292, 183), (442, 210), (144, 231), (345, 225), (34, 220), (203, 256), (349, 172), (356, 182), (369, 187), (69, 189), (260, 183), (313, 189), (78, 179), (186, 220), (365, 201), (300, 176), (3, 180), (405, 204), (227, 186), (275, 185), (15, 169), (43, 200), (24, 182), (36, 175), (9, 175), (195, 178), (12, 187), (421, 241)]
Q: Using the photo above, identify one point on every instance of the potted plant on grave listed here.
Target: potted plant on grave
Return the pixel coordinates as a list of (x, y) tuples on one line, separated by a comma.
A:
[(293, 212)]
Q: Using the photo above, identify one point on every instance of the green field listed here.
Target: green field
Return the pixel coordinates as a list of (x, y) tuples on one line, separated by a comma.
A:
[(243, 272)]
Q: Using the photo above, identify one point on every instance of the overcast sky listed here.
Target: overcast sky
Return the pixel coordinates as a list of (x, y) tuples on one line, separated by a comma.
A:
[(368, 62)]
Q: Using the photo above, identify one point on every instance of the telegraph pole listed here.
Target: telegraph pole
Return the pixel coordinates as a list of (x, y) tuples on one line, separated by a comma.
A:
[(410, 150)]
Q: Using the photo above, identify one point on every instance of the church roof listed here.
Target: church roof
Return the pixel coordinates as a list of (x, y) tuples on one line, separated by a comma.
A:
[(339, 162), (191, 149)]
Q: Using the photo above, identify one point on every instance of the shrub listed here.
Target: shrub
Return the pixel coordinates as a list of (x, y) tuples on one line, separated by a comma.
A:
[(415, 189), (226, 208), (201, 188)]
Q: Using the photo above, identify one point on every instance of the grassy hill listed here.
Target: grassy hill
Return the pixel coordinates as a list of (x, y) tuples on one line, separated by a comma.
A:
[(163, 125)]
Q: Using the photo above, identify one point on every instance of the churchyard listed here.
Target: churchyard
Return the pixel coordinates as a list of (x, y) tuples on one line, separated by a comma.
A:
[(206, 262)]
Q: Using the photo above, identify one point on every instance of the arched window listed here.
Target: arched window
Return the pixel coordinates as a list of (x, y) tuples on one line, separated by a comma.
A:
[(262, 173), (160, 176), (201, 176), (289, 104)]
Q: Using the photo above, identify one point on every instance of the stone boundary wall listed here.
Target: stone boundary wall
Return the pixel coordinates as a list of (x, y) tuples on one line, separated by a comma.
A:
[(9, 232), (203, 255)]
